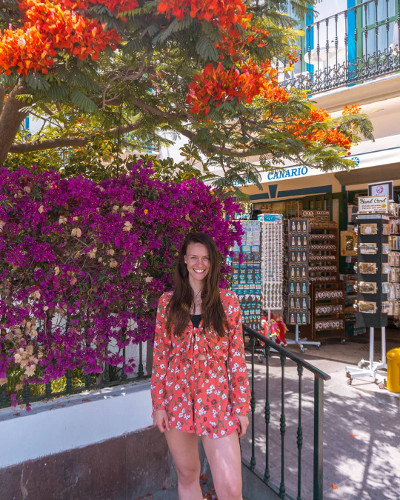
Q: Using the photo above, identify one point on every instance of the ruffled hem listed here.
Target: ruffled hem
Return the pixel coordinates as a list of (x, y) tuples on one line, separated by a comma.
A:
[(213, 435)]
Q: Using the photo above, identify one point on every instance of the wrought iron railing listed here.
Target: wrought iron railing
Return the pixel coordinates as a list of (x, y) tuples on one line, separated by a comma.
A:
[(72, 383), (278, 483), (349, 47)]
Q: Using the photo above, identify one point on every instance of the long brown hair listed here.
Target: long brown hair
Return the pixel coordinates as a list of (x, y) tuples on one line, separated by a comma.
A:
[(178, 311)]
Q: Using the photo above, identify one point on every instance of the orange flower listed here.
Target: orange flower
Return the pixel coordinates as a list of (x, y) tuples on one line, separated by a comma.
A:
[(304, 129), (354, 109), (218, 85), (50, 26), (225, 13)]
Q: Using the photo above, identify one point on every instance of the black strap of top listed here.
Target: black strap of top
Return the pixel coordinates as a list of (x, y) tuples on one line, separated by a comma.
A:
[(196, 318)]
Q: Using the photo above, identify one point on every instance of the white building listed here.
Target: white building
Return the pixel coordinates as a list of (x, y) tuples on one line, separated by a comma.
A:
[(349, 54)]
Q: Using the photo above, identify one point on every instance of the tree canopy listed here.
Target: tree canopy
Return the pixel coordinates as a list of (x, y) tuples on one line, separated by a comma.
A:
[(126, 71)]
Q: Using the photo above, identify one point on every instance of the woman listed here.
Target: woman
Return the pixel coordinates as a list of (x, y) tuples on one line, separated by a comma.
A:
[(198, 341)]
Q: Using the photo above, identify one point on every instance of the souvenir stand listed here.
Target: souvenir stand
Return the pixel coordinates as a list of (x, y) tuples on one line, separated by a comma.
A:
[(327, 291), (297, 279), (246, 278), (271, 262), (394, 263), (373, 272), (272, 277)]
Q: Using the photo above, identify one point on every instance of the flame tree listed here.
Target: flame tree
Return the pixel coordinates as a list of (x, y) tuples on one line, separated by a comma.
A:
[(131, 69)]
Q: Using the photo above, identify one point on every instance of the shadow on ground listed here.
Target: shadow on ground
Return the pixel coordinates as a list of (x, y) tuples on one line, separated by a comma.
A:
[(361, 435)]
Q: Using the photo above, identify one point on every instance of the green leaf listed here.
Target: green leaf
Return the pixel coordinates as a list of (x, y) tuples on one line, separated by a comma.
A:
[(58, 92), (85, 81), (206, 49), (147, 8), (134, 45), (151, 30), (36, 82), (175, 26), (83, 102)]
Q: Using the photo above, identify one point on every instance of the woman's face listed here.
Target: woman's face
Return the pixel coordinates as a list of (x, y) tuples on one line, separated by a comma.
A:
[(197, 261)]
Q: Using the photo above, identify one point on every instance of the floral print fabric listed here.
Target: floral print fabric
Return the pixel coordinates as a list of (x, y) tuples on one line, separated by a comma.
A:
[(197, 394)]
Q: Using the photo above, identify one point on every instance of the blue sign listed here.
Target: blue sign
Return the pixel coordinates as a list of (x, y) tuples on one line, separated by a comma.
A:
[(287, 173), (269, 217)]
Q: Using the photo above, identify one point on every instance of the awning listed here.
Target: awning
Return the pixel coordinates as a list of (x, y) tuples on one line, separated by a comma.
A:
[(369, 175)]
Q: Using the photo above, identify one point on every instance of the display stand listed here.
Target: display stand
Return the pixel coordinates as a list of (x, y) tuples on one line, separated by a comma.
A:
[(297, 278), (271, 266), (302, 342), (327, 291), (369, 368), (394, 263), (246, 278), (372, 276), (271, 261)]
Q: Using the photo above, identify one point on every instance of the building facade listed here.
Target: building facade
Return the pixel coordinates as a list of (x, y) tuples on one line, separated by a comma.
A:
[(349, 54)]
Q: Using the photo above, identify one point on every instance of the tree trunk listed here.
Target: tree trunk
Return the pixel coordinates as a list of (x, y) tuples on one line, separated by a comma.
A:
[(10, 119)]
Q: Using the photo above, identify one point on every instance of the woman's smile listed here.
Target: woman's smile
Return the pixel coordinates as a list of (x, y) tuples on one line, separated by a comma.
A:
[(197, 261)]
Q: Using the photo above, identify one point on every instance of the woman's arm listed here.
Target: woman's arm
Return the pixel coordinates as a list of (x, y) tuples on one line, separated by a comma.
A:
[(162, 346), (239, 383)]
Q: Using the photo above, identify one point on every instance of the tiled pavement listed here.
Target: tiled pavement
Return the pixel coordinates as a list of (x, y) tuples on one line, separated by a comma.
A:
[(361, 427)]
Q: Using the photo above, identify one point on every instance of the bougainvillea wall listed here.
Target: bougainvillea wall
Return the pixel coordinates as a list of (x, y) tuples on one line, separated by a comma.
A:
[(82, 264)]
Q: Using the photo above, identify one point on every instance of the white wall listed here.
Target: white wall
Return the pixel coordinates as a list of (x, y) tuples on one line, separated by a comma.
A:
[(172, 151), (73, 422)]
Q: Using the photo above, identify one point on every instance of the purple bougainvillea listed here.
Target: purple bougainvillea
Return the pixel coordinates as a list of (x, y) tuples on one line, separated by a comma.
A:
[(82, 264)]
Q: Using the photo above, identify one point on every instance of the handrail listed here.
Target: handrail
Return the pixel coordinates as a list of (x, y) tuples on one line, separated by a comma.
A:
[(316, 371), (355, 7), (318, 418)]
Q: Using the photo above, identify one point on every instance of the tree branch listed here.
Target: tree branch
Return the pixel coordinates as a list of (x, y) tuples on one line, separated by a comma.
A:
[(11, 118), (148, 108), (69, 142), (2, 95)]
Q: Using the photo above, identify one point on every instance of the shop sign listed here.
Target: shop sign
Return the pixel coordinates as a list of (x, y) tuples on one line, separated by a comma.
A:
[(381, 189), (373, 204), (269, 217), (287, 173)]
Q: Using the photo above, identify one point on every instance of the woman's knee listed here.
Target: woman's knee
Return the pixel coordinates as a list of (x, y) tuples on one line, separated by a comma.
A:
[(231, 489), (188, 474)]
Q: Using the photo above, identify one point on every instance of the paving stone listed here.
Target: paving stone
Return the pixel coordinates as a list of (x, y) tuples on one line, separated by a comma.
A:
[(361, 427)]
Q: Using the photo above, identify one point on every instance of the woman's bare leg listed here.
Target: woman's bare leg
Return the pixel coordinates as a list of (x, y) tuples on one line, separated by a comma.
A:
[(184, 448), (223, 455)]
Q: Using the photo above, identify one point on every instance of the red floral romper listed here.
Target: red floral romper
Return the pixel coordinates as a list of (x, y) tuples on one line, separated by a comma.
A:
[(196, 393)]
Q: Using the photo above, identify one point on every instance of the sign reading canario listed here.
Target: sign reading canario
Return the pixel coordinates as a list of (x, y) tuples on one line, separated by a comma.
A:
[(373, 204), (287, 173)]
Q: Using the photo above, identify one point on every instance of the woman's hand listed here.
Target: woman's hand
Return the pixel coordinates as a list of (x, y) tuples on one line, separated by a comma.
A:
[(160, 419), (243, 424)]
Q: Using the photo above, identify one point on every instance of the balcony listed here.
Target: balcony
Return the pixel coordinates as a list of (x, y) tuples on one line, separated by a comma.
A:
[(347, 48)]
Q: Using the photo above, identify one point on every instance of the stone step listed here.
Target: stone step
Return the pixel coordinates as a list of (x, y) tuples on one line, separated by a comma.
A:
[(172, 493)]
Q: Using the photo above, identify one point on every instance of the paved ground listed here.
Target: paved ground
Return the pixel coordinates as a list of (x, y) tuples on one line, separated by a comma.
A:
[(362, 427)]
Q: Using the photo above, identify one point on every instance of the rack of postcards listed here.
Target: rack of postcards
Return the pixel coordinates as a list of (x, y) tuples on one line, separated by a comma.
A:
[(271, 261), (296, 287), (327, 291), (246, 278), (394, 263), (373, 270)]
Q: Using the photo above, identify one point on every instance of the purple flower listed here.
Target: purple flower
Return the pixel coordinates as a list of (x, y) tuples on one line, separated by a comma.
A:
[(82, 264)]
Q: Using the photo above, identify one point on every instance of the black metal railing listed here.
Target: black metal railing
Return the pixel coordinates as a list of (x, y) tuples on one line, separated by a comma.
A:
[(285, 400), (348, 47), (74, 382)]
